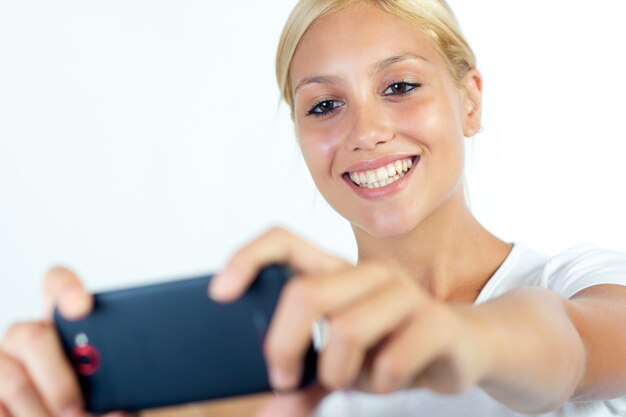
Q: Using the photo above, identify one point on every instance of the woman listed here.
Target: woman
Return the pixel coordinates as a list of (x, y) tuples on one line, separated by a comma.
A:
[(383, 94)]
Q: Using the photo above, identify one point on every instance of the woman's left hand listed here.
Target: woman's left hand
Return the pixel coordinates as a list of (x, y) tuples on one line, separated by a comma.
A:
[(384, 331)]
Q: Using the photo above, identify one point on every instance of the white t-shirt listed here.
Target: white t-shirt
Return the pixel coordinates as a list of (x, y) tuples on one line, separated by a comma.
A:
[(567, 273)]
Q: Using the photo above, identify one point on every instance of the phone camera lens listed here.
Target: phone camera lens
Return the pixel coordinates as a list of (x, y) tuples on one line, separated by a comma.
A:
[(86, 359)]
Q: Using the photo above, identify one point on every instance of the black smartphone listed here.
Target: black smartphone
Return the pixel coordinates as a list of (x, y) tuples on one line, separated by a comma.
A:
[(169, 343)]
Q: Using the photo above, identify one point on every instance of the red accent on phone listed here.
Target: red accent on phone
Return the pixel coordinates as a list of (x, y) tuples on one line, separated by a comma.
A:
[(87, 359)]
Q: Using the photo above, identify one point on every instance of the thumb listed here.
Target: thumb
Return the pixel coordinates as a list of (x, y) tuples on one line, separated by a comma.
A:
[(62, 288)]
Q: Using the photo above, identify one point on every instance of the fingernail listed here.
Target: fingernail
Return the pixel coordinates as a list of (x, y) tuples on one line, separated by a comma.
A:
[(220, 286), (282, 379), (73, 410), (75, 304)]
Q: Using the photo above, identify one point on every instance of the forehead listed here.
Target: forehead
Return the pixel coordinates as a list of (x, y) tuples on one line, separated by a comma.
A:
[(357, 37)]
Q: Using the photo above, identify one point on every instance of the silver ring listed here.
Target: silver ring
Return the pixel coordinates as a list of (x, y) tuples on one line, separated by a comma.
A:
[(319, 331)]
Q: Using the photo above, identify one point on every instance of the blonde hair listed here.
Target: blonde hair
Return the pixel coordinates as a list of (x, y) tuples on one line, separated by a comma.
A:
[(433, 17)]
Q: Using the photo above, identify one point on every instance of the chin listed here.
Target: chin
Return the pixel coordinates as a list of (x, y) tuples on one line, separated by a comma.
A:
[(386, 226)]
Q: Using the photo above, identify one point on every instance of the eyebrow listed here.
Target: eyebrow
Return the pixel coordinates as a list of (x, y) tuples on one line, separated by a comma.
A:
[(377, 67), (385, 63), (313, 80)]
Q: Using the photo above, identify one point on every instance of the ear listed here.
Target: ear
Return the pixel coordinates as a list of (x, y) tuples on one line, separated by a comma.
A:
[(472, 102)]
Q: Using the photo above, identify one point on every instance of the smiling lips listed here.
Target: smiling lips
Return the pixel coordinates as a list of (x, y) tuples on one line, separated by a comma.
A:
[(382, 176)]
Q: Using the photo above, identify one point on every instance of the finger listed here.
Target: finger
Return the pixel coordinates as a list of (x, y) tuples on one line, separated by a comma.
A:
[(37, 348), (17, 392), (353, 332), (3, 411), (425, 338), (274, 246), (63, 288), (294, 404), (303, 301)]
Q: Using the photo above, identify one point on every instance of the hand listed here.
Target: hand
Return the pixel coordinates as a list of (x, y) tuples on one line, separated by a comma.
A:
[(384, 331), (36, 380)]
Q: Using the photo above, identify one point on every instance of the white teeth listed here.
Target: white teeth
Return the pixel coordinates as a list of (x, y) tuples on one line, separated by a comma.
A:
[(382, 176)]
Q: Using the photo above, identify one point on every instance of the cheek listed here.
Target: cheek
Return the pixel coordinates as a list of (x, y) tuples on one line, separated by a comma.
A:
[(433, 123), (318, 145), (434, 126), (432, 110)]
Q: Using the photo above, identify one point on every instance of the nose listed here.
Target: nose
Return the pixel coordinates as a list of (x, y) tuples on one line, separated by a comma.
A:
[(370, 127)]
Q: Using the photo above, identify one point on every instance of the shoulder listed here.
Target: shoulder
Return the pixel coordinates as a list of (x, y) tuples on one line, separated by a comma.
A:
[(567, 272), (582, 266), (585, 254)]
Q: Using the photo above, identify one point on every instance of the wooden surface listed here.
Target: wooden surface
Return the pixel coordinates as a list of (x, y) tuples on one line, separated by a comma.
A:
[(236, 407)]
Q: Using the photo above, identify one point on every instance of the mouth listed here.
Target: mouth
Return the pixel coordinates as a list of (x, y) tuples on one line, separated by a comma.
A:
[(384, 175)]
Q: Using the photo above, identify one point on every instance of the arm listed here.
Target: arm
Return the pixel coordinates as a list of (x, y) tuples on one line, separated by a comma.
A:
[(599, 314), (548, 350), (530, 349)]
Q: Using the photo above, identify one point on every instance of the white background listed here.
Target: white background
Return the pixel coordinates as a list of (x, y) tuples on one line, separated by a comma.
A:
[(143, 140)]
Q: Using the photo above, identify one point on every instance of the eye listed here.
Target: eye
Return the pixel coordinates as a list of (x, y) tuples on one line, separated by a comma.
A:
[(400, 88), (324, 107)]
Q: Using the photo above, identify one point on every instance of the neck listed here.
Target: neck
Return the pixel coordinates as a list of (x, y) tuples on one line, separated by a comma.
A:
[(450, 254)]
